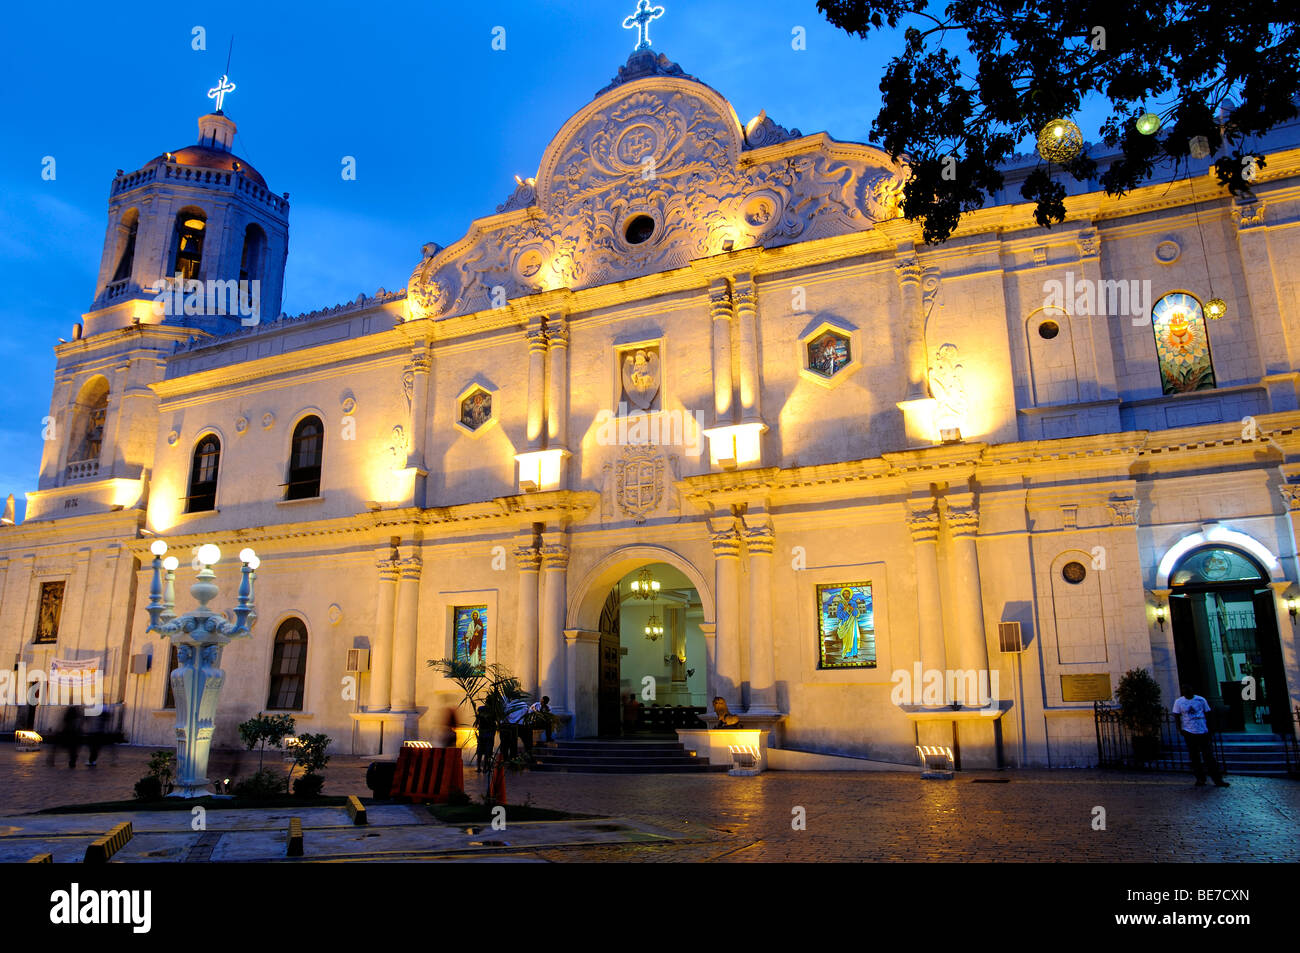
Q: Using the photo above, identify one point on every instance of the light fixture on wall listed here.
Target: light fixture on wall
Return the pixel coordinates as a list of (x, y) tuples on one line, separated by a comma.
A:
[(1161, 615), (1292, 605)]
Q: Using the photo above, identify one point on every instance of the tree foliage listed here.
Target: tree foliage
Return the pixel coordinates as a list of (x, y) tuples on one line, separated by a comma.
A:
[(1226, 73)]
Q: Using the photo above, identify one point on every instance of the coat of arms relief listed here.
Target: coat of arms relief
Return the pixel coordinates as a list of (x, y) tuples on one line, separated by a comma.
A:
[(639, 484)]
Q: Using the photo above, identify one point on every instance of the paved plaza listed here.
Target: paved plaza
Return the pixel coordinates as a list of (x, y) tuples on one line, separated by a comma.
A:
[(978, 816)]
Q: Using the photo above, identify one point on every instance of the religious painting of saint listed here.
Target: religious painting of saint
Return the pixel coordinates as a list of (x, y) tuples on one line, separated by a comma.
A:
[(476, 410), (846, 626), (828, 353), (1182, 344), (49, 611), (471, 634)]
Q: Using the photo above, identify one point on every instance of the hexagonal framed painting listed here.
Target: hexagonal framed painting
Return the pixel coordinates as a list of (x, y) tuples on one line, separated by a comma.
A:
[(476, 409), (828, 353)]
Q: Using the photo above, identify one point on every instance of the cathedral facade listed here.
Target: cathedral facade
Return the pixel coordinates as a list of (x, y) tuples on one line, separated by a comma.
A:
[(894, 494)]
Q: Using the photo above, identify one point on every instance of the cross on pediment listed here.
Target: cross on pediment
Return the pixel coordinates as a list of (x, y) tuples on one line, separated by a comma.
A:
[(640, 21)]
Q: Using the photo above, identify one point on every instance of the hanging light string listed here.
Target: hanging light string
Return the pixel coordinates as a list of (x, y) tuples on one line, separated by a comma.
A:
[(1216, 307)]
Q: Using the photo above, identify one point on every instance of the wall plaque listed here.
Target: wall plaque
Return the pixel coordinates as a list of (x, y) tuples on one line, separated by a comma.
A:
[(1086, 688)]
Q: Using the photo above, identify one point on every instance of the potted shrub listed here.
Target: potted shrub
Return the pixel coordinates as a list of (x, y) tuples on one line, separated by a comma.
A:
[(309, 754), (1141, 712)]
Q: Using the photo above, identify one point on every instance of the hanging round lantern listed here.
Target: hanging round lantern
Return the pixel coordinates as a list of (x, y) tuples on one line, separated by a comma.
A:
[(1148, 124), (1216, 308), (1060, 141)]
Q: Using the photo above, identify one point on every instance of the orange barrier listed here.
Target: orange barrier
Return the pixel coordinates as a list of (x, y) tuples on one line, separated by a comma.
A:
[(426, 773)]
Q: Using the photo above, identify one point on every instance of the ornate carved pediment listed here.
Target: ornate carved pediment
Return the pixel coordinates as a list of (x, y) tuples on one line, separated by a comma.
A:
[(648, 178)]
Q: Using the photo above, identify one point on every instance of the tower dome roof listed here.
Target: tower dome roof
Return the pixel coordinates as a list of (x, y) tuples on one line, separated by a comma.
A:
[(212, 151), (203, 157)]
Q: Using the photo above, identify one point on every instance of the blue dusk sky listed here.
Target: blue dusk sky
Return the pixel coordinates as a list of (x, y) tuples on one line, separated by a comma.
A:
[(439, 124)]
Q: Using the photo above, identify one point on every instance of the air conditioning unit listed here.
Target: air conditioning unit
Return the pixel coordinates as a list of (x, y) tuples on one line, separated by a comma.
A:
[(1009, 636), (141, 663), (358, 660)]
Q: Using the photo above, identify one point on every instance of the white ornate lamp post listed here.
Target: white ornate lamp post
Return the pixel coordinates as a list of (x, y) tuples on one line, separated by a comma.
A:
[(199, 637)]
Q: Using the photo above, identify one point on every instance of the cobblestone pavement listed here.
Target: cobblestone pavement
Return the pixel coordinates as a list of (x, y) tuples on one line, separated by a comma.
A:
[(1030, 816)]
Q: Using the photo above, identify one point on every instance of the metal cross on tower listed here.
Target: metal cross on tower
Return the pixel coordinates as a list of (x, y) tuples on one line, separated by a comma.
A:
[(219, 91), (640, 21)]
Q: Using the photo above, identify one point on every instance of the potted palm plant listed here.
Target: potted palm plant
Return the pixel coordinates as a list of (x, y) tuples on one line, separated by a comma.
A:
[(1141, 712)]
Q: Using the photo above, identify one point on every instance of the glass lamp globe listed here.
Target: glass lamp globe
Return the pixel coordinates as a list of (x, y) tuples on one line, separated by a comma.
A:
[(158, 547), (1060, 141), (170, 563), (209, 554), (1148, 124), (246, 555), (253, 563), (1216, 308)]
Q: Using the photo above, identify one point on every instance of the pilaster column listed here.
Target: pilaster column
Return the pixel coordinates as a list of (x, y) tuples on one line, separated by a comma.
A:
[(710, 632), (720, 311), (420, 366), (404, 633), (536, 386), (109, 451), (923, 523), (971, 649), (726, 564), (529, 562), (557, 383), (379, 697), (909, 280), (551, 657), (760, 540), (745, 300)]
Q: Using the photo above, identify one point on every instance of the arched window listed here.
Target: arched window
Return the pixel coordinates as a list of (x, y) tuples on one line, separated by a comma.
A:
[(250, 263), (203, 475), (1182, 344), (288, 666), (305, 459), (130, 225), (188, 246)]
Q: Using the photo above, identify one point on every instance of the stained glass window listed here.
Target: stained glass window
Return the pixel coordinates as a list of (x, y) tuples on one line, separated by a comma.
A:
[(1182, 344), (846, 624)]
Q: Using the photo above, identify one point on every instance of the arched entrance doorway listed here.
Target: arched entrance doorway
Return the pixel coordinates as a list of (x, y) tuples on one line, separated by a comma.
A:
[(651, 613), (1226, 638)]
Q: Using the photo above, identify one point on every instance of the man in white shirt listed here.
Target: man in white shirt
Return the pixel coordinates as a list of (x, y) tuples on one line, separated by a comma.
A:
[(1191, 710)]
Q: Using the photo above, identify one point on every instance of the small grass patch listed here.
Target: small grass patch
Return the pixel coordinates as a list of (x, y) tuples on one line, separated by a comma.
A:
[(482, 814), (186, 804)]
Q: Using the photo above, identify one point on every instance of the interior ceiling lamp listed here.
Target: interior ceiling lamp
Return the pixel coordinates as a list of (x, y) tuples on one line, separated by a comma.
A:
[(653, 628), (645, 585), (1060, 141)]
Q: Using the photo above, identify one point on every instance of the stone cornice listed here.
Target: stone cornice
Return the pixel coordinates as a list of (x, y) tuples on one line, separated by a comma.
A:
[(502, 515), (901, 473)]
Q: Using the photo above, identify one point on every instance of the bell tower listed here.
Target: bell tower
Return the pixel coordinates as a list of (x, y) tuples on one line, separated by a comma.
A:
[(195, 238), (195, 247)]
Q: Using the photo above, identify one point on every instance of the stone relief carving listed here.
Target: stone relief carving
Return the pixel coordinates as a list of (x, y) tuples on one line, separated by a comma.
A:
[(640, 372), (947, 388), (1123, 512), (634, 485), (670, 154), (762, 131)]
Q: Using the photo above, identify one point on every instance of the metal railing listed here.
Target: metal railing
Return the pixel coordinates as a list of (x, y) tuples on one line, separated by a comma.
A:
[(1116, 748)]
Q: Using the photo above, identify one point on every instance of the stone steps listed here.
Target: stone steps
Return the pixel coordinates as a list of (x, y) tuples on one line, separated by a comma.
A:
[(619, 757)]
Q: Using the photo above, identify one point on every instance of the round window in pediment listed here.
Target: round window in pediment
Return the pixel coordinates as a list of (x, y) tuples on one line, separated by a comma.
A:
[(1074, 573), (639, 229), (1048, 330)]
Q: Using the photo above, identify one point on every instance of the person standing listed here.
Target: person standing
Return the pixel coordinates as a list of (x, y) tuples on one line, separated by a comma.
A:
[(1191, 710), (487, 732)]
